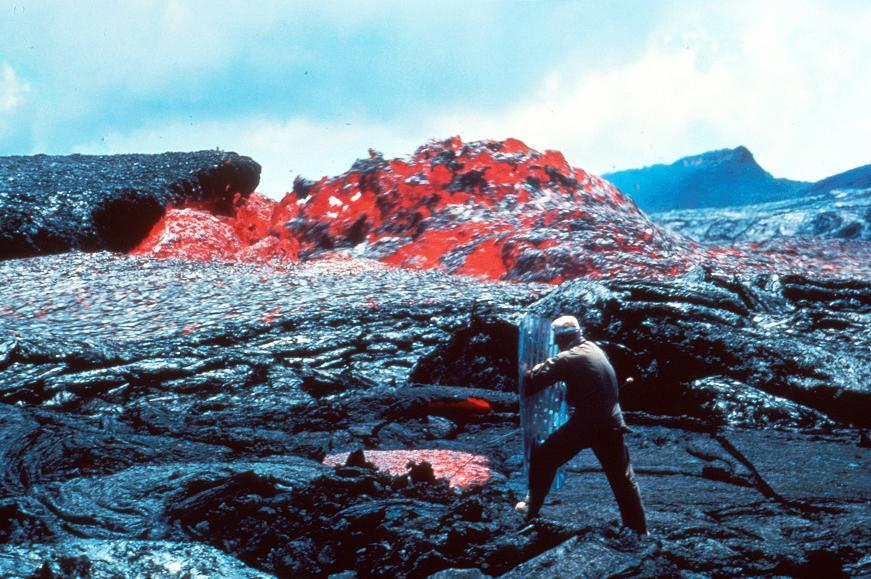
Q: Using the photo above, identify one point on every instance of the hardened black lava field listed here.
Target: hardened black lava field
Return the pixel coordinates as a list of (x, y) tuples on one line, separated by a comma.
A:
[(177, 417)]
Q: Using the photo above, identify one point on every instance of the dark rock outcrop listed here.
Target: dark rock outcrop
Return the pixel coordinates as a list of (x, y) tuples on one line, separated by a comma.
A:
[(483, 355), (719, 400), (51, 204)]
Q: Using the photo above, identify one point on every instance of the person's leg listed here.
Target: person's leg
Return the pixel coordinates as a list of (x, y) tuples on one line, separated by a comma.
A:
[(612, 453), (546, 458)]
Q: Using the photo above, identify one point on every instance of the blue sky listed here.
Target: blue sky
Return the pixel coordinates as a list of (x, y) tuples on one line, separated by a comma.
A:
[(306, 88)]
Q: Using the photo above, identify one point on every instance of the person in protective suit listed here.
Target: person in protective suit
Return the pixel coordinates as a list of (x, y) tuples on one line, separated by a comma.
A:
[(596, 422)]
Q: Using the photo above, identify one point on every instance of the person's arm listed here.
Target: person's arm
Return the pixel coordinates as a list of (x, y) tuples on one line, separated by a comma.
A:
[(543, 375)]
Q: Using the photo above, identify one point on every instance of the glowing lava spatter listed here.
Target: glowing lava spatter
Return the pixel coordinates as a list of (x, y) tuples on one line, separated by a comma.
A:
[(492, 209), (199, 234), (461, 469)]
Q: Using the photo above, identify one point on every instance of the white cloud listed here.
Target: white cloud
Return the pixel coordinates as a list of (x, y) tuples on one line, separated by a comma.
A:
[(613, 115), (12, 89), (788, 80)]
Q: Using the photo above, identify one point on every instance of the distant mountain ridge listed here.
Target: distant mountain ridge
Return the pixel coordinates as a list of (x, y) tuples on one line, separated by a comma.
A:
[(858, 178), (722, 178)]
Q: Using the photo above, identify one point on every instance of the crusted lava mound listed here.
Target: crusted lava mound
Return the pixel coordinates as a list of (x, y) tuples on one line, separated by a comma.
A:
[(492, 209), (495, 209), (54, 204), (498, 210)]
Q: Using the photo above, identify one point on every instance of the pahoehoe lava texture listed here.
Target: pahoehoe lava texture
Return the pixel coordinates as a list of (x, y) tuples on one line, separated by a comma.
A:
[(175, 417), (835, 214), (165, 416), (792, 336), (720, 348), (52, 204)]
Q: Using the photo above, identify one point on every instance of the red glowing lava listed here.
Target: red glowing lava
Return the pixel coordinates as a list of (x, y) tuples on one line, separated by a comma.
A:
[(462, 470), (470, 404), (496, 210), (199, 234)]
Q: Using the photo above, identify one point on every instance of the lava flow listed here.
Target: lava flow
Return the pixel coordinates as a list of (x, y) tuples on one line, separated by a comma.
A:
[(462, 470), (201, 235), (495, 210)]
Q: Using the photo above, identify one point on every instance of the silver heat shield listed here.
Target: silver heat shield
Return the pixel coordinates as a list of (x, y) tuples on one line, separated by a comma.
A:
[(542, 413)]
